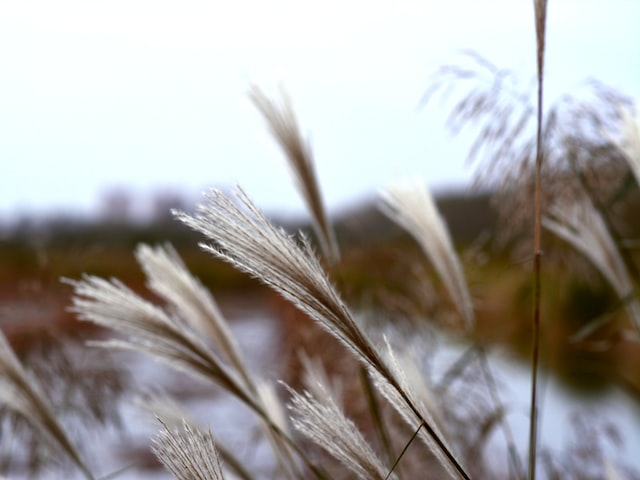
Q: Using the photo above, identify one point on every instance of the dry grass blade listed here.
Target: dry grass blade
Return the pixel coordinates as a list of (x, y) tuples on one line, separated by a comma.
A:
[(323, 422), (149, 329), (412, 207), (169, 278), (19, 392), (284, 127), (243, 236), (188, 454), (583, 227)]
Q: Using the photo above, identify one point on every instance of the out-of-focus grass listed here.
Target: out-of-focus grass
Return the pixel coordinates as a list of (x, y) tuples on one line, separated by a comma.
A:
[(387, 271)]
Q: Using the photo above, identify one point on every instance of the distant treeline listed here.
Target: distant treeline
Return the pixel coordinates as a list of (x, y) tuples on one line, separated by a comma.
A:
[(467, 215)]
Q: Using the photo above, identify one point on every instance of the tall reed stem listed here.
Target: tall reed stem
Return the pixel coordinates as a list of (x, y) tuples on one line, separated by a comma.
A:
[(540, 8)]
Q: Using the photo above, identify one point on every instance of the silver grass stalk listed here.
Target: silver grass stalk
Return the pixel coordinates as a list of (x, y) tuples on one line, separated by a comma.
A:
[(169, 278), (22, 394), (422, 399), (151, 330), (284, 127), (582, 226), (323, 422), (188, 454), (243, 237), (411, 206)]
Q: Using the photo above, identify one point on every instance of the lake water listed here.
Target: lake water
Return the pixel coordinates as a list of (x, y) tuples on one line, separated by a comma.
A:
[(259, 337)]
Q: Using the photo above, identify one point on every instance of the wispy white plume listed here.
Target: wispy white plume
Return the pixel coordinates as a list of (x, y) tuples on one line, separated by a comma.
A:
[(412, 207), (22, 394), (173, 417), (188, 454), (284, 128), (244, 237), (581, 225), (325, 424), (150, 329), (168, 277)]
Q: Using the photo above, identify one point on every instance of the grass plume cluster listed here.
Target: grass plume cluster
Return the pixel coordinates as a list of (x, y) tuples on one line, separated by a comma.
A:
[(308, 430)]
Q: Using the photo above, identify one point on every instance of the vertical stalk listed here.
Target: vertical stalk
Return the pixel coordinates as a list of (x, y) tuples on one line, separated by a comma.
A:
[(540, 8)]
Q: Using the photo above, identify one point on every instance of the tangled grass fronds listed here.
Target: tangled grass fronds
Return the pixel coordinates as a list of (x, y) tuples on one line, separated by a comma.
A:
[(169, 278), (188, 454), (149, 329), (412, 207), (582, 226), (244, 237), (322, 421), (22, 394), (283, 125)]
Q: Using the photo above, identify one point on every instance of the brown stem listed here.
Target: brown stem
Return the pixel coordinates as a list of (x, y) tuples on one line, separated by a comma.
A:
[(540, 7)]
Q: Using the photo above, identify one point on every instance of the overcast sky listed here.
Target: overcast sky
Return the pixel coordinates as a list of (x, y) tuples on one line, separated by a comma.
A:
[(151, 94)]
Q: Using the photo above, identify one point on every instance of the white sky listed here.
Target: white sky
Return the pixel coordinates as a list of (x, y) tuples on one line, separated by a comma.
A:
[(151, 94)]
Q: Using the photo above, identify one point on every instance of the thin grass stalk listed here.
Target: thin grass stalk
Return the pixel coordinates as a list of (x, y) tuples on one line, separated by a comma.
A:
[(376, 415), (456, 369), (540, 9), (514, 459), (404, 450)]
